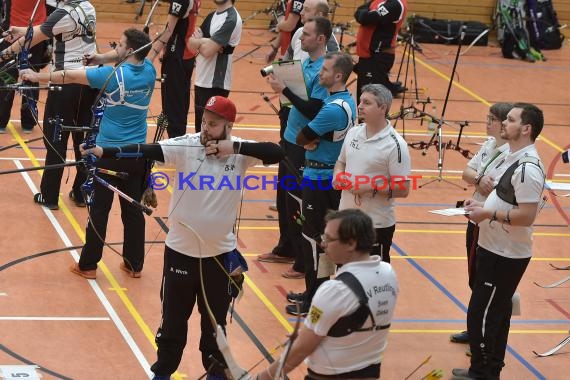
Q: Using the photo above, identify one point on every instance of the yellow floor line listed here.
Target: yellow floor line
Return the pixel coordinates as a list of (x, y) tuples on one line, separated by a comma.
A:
[(430, 331)]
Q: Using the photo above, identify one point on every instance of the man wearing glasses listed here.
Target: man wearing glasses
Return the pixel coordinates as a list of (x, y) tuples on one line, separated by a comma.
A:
[(504, 249), (482, 173), (345, 333)]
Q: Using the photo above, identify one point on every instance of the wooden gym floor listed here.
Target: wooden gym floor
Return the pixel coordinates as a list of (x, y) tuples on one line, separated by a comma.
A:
[(71, 328)]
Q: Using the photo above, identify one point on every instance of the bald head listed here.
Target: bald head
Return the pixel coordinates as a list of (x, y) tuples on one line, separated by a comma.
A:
[(312, 8)]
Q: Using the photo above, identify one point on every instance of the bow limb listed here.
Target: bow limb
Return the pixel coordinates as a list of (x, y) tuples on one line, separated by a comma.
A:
[(146, 27), (233, 370)]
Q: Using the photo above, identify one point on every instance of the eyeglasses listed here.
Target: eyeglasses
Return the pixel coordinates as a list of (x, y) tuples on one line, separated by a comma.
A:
[(492, 118), (325, 239)]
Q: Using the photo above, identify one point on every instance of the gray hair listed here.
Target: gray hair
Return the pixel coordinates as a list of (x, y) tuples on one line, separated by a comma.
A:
[(380, 92), (501, 110)]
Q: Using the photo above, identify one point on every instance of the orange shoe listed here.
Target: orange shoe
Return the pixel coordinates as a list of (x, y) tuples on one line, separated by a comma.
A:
[(130, 272), (293, 274), (273, 258), (88, 274)]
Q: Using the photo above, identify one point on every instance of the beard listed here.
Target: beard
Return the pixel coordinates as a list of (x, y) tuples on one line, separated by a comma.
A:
[(205, 137)]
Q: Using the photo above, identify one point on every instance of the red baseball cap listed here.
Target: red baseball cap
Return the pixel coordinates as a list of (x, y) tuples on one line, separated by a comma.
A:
[(222, 107)]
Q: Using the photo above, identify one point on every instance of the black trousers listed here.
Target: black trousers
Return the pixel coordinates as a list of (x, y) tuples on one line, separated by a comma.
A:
[(175, 91), (131, 216), (489, 313), (289, 200), (201, 96), (374, 70), (384, 238), (28, 121), (181, 288), (73, 104), (317, 201), (471, 238)]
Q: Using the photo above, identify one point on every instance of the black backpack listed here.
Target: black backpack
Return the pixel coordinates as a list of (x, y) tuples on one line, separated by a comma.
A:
[(543, 25)]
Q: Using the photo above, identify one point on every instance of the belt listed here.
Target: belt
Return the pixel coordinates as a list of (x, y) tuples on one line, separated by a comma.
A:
[(317, 165)]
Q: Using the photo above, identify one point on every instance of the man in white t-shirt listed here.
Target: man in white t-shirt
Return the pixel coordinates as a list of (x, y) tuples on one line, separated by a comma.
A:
[(201, 241), (483, 172), (215, 41), (376, 150), (345, 333), (505, 222)]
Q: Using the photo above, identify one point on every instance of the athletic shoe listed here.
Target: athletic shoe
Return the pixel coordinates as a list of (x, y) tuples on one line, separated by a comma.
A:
[(27, 131), (460, 374), (75, 201), (462, 337), (293, 274), (295, 297), (39, 199), (273, 207), (298, 309), (88, 274), (130, 272), (270, 257), (2, 131)]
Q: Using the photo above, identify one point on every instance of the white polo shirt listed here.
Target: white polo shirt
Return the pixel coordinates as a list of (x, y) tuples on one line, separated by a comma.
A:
[(211, 213), (513, 241), (334, 300), (485, 161), (384, 154)]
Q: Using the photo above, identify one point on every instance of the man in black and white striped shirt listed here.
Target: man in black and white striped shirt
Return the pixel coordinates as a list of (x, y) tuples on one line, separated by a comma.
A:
[(72, 28), (215, 42)]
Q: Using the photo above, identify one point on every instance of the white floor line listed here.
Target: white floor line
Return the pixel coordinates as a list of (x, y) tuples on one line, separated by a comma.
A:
[(94, 285)]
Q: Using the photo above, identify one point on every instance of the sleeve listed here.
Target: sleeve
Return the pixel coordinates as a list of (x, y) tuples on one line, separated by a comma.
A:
[(399, 166), (98, 75), (332, 117), (476, 163), (177, 149), (180, 8), (297, 7), (57, 23), (529, 191), (387, 12), (223, 35), (332, 301)]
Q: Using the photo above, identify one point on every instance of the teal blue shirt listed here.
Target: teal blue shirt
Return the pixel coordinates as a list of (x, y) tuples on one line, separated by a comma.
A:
[(124, 119)]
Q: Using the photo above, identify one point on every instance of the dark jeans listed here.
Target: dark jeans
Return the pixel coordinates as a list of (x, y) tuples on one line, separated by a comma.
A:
[(132, 217), (73, 104), (181, 288), (175, 91), (489, 313), (201, 96)]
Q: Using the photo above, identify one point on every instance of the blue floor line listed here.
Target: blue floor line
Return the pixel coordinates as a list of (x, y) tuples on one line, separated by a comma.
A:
[(511, 350)]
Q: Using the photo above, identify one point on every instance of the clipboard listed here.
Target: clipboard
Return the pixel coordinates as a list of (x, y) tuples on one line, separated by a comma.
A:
[(291, 73)]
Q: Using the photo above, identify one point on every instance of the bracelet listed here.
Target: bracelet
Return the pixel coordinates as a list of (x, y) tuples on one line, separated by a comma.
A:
[(62, 76), (507, 218), (478, 178)]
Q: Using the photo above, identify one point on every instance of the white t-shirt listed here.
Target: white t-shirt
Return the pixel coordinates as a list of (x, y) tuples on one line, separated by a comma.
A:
[(334, 300), (211, 213), (385, 154), (485, 160), (513, 241), (224, 29)]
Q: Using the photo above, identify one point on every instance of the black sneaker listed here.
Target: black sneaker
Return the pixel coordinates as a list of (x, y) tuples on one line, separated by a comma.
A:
[(462, 337), (76, 201), (301, 308), (295, 297), (39, 199)]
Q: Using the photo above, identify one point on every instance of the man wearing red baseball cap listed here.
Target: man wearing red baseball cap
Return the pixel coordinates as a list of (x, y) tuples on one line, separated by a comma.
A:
[(201, 240)]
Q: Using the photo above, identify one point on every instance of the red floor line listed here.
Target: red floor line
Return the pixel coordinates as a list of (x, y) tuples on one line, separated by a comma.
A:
[(261, 267), (555, 305)]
